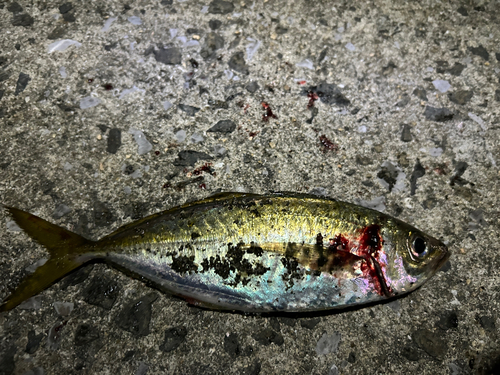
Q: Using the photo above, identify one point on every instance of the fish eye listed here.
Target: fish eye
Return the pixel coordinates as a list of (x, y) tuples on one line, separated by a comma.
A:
[(419, 247)]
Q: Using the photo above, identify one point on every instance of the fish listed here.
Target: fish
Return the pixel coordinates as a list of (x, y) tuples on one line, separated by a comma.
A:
[(279, 252)]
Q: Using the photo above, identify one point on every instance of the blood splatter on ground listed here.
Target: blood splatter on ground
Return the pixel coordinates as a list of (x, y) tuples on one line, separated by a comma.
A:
[(327, 144), (269, 113)]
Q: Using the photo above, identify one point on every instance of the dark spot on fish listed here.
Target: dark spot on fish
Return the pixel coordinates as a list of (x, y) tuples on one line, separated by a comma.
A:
[(319, 239), (256, 250), (292, 270), (184, 264), (220, 267), (195, 235)]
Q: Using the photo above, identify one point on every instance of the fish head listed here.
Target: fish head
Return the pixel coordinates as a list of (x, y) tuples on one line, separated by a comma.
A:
[(414, 258)]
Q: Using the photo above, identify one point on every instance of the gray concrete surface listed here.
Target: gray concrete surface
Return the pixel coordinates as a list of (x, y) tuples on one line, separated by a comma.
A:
[(406, 121)]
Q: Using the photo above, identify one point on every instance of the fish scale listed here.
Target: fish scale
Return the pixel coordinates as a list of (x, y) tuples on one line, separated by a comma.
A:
[(278, 252)]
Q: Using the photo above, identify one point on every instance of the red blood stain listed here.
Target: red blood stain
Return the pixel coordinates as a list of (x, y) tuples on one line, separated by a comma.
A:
[(441, 169), (90, 80), (203, 186), (301, 82), (370, 244), (312, 98), (269, 113), (252, 134), (157, 153), (327, 144), (339, 243), (108, 86), (167, 185), (207, 167)]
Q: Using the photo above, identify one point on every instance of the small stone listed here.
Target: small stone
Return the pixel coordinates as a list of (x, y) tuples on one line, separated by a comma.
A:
[(448, 320), (406, 135), (405, 99), (89, 102), (136, 315), (189, 158), (63, 308), (476, 118), (420, 93), (441, 85), (22, 82), (497, 95), (102, 292), (60, 211), (80, 275), (442, 66), (328, 93), (328, 343), (213, 42), (237, 63), (480, 51), (134, 20), (333, 370), (33, 303), (180, 136), (310, 323), (14, 7), (142, 369), (431, 343), (488, 323), (220, 7), (143, 145), (410, 353), (350, 47), (460, 97), (214, 24), (253, 369), (57, 33), (69, 17), (55, 335), (389, 174), (223, 126), (169, 56), (463, 11), (22, 19), (231, 345), (85, 334), (457, 69), (65, 8), (114, 140), (352, 357), (252, 87), (363, 160), (190, 110), (4, 76), (438, 114), (418, 172), (174, 337), (267, 336), (197, 138), (7, 362), (33, 342)]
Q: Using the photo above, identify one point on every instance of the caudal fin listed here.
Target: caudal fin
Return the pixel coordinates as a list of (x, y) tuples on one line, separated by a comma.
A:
[(65, 249)]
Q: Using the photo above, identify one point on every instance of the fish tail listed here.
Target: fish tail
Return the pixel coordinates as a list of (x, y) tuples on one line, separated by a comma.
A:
[(65, 249)]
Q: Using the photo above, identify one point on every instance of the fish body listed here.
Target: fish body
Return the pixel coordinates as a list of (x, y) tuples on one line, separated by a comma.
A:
[(257, 253)]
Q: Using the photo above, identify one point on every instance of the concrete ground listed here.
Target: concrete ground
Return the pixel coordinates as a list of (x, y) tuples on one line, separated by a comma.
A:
[(109, 109)]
